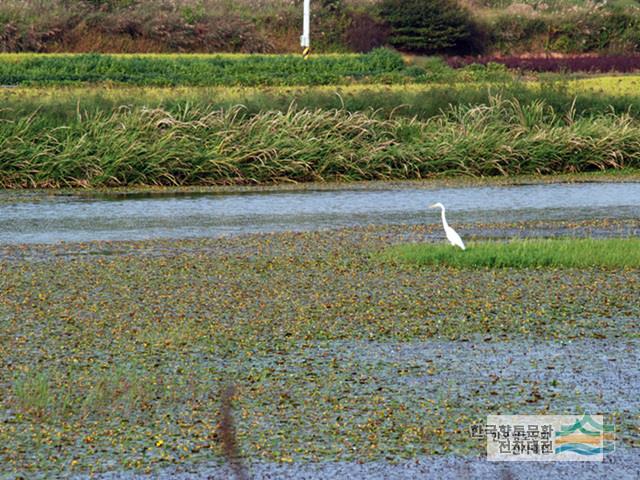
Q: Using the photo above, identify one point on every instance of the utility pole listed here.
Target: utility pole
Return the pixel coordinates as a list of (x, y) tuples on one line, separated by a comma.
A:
[(305, 39)]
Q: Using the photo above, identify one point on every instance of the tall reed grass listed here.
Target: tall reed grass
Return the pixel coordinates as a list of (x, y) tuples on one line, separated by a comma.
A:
[(230, 146)]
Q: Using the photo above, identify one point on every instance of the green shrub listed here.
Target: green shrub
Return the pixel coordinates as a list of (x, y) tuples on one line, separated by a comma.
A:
[(621, 30), (510, 31), (597, 30), (430, 26)]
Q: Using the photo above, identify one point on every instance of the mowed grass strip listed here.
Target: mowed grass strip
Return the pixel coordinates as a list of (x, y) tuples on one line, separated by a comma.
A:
[(553, 253)]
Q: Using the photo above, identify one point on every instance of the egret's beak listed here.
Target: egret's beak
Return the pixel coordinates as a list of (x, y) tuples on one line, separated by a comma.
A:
[(433, 206)]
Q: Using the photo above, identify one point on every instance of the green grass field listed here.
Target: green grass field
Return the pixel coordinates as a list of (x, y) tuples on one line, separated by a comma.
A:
[(565, 253)]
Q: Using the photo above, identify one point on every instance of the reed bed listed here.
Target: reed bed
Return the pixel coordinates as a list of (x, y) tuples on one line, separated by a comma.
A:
[(229, 146)]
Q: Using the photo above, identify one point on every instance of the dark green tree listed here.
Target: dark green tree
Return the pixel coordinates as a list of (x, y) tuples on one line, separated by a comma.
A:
[(430, 26)]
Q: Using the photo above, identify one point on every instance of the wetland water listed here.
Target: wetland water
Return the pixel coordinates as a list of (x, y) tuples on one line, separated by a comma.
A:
[(45, 218)]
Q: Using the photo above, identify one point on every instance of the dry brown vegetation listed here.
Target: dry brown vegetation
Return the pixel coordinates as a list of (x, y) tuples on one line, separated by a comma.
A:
[(263, 26)]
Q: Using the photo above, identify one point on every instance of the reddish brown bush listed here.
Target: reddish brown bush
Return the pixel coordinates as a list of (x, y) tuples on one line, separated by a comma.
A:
[(580, 63), (365, 33)]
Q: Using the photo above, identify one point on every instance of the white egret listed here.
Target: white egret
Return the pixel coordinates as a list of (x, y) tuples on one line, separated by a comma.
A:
[(452, 235)]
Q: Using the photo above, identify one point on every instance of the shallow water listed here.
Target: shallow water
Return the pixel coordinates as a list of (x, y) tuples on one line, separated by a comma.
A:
[(602, 371), (623, 464), (42, 218)]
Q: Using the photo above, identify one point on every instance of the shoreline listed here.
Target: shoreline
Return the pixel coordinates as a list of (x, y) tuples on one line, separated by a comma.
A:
[(611, 176)]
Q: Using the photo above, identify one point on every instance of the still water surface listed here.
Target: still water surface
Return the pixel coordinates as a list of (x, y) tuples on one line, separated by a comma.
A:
[(42, 218)]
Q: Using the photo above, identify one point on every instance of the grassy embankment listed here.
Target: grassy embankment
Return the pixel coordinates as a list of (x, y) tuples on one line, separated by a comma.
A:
[(570, 253), (190, 147), (499, 26)]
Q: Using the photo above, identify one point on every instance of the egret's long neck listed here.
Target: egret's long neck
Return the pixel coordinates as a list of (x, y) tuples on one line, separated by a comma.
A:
[(444, 219)]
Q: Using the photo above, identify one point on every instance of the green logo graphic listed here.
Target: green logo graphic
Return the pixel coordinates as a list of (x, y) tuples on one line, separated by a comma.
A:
[(585, 437)]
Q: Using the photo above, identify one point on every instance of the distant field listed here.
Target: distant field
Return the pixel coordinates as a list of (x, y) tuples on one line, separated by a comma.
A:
[(194, 69), (628, 84), (610, 85)]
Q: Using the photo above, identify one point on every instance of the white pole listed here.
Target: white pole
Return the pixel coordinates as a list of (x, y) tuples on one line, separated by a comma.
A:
[(305, 39)]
